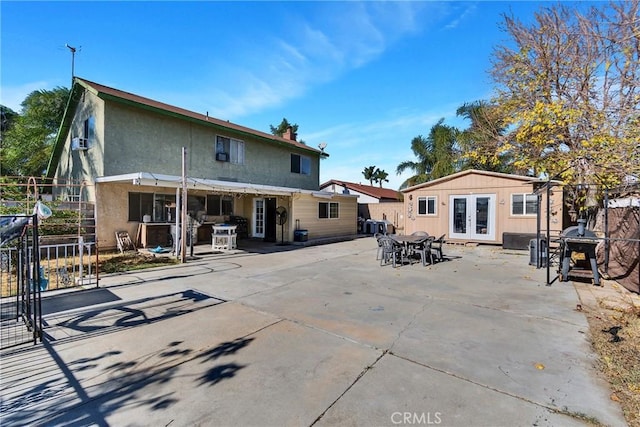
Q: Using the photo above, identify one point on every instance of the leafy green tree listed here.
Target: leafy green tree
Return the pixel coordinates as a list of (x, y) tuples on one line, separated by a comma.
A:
[(27, 144), (7, 117), (369, 174), (437, 155), (282, 128), (380, 176)]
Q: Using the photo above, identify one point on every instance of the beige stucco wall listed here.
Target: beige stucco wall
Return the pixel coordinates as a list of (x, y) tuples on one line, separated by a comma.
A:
[(472, 184)]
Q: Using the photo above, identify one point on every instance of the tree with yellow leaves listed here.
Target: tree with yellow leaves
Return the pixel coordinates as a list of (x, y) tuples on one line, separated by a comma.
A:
[(568, 90)]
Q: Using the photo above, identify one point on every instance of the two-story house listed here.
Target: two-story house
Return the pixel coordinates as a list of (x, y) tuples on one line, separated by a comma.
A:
[(129, 151)]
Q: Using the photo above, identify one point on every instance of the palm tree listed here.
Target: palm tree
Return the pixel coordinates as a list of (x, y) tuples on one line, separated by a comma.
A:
[(437, 155), (369, 174), (380, 176), (481, 137)]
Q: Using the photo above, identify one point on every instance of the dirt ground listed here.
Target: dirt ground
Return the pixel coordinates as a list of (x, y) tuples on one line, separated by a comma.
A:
[(614, 320)]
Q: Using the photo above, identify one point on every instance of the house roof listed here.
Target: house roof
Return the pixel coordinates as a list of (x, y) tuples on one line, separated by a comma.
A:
[(369, 190), (469, 172), (137, 101)]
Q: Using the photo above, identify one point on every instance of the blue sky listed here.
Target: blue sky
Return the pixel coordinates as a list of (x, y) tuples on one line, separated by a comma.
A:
[(363, 77)]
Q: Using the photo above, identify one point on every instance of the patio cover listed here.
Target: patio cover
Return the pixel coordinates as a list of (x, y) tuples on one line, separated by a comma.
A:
[(173, 181)]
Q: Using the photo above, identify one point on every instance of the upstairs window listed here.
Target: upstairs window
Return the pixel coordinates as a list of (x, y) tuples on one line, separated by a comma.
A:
[(524, 204), (87, 136), (89, 129), (300, 164), (427, 205), (229, 150)]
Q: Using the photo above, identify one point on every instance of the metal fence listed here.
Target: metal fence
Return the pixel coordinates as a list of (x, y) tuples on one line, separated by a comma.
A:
[(58, 266)]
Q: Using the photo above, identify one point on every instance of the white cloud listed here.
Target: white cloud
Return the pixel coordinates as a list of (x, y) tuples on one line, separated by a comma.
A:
[(312, 50), (12, 96), (469, 10)]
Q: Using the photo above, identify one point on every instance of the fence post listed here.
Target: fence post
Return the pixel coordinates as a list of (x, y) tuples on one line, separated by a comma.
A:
[(81, 252)]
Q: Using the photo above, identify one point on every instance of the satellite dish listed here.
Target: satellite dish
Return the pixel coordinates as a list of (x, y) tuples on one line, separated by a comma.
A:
[(281, 218)]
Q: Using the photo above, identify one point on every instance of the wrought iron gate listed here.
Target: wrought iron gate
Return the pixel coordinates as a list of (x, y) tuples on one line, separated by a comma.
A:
[(21, 277)]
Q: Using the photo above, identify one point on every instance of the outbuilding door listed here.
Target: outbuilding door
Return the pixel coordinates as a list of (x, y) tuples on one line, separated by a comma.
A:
[(472, 217)]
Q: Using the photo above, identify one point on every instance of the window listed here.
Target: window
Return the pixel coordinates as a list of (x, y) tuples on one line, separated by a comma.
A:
[(427, 205), (164, 208), (524, 204), (328, 210), (140, 204), (161, 207), (300, 164), (89, 129), (219, 205), (87, 137), (229, 150)]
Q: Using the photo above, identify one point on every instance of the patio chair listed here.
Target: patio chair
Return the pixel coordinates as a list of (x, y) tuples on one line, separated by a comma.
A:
[(436, 246), (423, 248), (392, 251), (124, 242), (379, 251)]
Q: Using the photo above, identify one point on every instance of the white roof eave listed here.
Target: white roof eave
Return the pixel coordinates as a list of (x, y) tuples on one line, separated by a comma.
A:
[(172, 181)]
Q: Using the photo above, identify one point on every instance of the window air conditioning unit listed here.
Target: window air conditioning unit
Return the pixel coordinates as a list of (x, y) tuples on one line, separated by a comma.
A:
[(222, 157), (78, 143)]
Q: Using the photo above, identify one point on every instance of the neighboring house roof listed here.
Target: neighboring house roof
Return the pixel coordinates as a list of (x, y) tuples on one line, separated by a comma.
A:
[(369, 190), (468, 172), (136, 101)]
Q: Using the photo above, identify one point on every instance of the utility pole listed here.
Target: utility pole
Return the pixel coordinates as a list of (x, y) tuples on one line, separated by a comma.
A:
[(73, 60)]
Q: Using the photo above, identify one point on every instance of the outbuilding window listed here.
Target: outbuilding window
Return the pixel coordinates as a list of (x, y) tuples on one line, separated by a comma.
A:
[(524, 204), (427, 205)]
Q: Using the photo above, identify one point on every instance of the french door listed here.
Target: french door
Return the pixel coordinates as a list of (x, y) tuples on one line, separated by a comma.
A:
[(472, 217), (258, 218)]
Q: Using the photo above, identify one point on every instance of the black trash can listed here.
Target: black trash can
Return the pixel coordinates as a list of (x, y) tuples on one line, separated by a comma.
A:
[(300, 235)]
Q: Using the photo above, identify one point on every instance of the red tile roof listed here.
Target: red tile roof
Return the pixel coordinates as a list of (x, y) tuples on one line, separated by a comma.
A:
[(369, 190)]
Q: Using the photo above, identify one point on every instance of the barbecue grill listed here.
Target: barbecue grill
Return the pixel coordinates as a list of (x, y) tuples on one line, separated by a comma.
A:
[(578, 239)]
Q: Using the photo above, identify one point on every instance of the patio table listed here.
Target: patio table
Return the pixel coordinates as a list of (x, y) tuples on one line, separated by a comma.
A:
[(408, 241)]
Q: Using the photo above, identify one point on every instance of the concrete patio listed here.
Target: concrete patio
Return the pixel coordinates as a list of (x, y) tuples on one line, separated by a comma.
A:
[(319, 335)]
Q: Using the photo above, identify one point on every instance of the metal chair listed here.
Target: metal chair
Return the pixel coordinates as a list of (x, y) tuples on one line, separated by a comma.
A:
[(436, 246)]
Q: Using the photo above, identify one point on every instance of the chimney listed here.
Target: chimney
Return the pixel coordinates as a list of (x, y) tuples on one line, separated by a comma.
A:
[(289, 134)]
